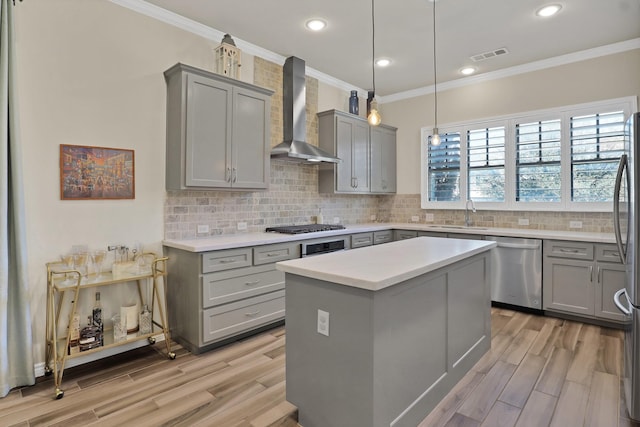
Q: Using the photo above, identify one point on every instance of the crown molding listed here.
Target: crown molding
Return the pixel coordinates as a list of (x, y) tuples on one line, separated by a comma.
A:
[(519, 69), (209, 33)]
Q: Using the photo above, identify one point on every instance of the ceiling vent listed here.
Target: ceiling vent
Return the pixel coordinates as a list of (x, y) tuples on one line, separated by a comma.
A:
[(490, 54)]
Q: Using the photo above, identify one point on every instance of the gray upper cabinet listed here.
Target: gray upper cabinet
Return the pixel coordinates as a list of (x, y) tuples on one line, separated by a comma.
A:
[(368, 155), (218, 131), (383, 159)]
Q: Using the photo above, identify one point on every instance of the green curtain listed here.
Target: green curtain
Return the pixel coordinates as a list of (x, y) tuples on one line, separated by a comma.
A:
[(16, 345)]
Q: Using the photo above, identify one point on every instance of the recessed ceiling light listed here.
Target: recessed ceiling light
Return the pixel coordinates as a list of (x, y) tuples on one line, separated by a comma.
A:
[(549, 10), (383, 62), (468, 70), (316, 24)]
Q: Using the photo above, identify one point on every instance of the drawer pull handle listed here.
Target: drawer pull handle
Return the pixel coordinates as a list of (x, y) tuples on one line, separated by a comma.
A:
[(570, 251), (255, 282), (615, 254), (227, 261), (272, 254), (253, 313)]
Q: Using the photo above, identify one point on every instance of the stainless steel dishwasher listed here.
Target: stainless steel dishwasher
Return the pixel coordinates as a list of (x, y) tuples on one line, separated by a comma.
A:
[(516, 272)]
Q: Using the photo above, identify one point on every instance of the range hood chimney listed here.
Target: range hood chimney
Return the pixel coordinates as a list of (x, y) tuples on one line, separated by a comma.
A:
[(295, 148)]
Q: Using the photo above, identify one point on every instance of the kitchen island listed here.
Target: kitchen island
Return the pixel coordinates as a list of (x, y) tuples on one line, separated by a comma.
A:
[(379, 335)]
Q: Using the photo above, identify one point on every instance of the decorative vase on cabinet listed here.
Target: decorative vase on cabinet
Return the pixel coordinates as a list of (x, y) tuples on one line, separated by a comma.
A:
[(218, 131)]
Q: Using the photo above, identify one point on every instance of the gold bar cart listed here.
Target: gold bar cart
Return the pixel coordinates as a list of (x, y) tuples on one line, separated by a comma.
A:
[(62, 281)]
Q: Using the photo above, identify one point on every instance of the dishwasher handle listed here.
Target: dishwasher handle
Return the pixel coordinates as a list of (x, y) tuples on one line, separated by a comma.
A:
[(518, 245)]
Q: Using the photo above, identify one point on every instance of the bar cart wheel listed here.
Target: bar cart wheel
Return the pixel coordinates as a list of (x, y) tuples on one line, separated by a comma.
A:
[(172, 355), (152, 340), (59, 394), (48, 371)]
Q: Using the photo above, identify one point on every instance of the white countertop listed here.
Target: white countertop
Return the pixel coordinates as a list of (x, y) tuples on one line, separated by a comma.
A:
[(231, 241), (377, 267)]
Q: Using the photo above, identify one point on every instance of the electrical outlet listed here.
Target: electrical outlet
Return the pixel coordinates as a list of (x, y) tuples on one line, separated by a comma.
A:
[(523, 221), (575, 224), (323, 322), (415, 218), (336, 220), (203, 228), (429, 217), (242, 226)]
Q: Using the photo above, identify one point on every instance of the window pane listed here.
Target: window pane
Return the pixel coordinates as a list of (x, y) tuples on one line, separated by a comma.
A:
[(444, 168), (538, 184), (538, 176), (597, 142), (486, 157)]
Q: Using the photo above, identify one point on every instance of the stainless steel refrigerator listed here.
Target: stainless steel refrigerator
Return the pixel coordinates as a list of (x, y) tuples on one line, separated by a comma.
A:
[(627, 231)]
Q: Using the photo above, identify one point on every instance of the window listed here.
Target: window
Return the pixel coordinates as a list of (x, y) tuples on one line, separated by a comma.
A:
[(444, 169), (597, 142), (486, 156), (558, 159), (538, 161)]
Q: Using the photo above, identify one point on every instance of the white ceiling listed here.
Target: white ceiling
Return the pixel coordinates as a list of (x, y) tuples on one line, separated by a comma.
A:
[(404, 33)]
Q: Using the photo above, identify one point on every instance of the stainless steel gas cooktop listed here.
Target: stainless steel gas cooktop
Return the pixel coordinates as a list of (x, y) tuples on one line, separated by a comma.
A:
[(305, 228)]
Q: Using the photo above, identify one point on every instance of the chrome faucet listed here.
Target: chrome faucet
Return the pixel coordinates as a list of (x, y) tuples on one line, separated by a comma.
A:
[(467, 220)]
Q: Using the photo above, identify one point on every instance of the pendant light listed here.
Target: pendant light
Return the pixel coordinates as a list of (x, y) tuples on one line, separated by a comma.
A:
[(373, 116), (435, 136)]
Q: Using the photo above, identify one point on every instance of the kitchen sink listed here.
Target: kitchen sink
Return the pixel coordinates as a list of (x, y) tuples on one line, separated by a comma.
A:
[(457, 227)]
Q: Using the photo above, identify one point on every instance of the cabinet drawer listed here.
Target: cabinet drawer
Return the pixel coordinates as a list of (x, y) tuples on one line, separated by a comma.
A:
[(432, 234), (384, 236), (361, 239), (274, 253), (404, 234), (226, 260), (608, 253), (231, 319), (573, 250), (230, 286)]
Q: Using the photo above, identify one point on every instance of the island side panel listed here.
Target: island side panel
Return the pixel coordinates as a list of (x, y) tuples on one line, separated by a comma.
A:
[(420, 358), (469, 319), (329, 378), (410, 347)]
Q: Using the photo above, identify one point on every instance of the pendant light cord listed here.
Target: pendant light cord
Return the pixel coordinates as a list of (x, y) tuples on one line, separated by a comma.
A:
[(373, 45), (435, 69)]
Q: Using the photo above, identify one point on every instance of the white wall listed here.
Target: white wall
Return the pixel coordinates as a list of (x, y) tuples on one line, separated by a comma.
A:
[(90, 72), (597, 79)]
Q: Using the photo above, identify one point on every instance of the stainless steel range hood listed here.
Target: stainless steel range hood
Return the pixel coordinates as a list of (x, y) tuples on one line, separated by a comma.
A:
[(295, 148)]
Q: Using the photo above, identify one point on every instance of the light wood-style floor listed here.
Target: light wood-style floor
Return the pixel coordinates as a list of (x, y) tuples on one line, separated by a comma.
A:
[(540, 371)]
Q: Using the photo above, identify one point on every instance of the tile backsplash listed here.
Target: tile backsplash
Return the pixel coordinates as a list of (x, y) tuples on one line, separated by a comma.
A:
[(291, 199), (294, 199)]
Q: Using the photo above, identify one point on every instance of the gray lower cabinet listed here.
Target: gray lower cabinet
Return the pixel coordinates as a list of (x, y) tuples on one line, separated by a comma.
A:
[(360, 240), (382, 236), (404, 234), (218, 131), (581, 278), (218, 295)]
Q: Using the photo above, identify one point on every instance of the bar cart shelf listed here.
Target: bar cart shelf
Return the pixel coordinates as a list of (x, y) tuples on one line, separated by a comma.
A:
[(64, 284)]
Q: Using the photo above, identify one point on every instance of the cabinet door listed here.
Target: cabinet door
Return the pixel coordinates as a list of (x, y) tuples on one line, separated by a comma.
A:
[(568, 286), (383, 160), (251, 136), (360, 157), (345, 133), (610, 278), (208, 133), (352, 146)]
